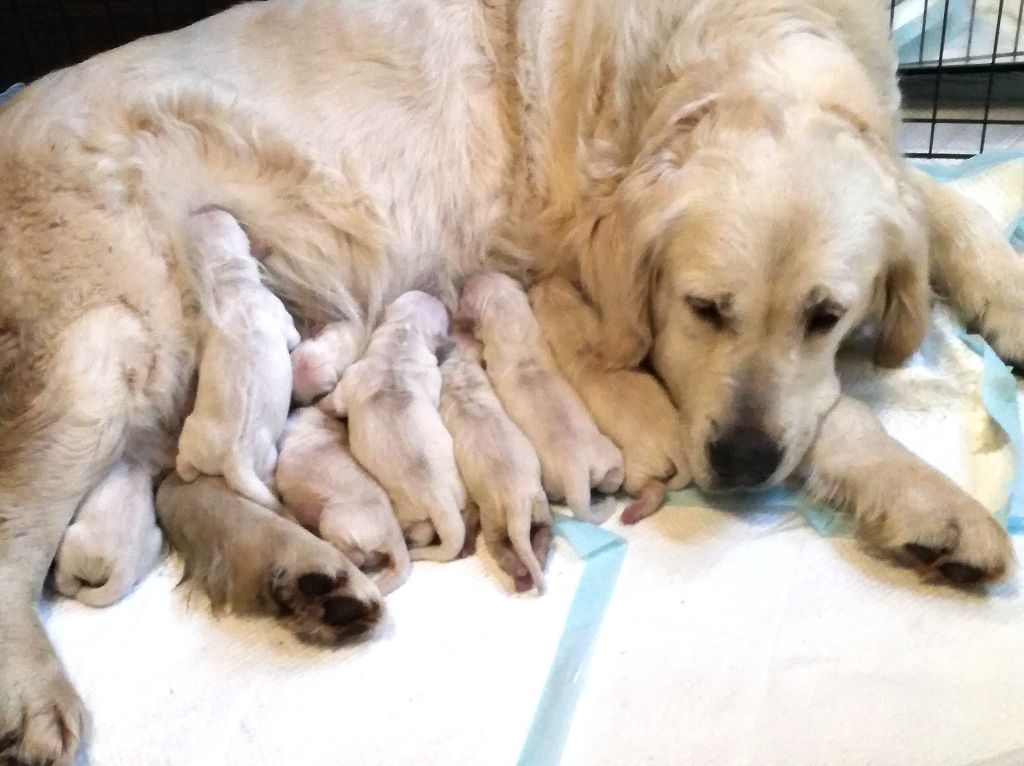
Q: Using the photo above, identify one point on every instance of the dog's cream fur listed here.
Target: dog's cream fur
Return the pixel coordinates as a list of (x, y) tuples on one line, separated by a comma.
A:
[(662, 155), (498, 465), (329, 493), (574, 455), (629, 406), (318, 362), (114, 541), (390, 397), (245, 381)]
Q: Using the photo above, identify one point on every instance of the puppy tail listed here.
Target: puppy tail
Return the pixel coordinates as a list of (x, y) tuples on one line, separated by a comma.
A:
[(648, 501), (520, 527), (577, 497), (451, 528)]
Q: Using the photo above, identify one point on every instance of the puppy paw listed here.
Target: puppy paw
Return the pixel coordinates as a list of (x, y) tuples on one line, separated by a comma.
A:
[(948, 534), (42, 719), (322, 607)]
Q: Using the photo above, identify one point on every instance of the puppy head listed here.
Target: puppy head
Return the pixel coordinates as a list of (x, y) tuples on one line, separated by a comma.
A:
[(486, 300), (742, 246), (425, 312)]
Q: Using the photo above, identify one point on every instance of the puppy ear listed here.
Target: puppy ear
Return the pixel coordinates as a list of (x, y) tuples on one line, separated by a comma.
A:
[(617, 263)]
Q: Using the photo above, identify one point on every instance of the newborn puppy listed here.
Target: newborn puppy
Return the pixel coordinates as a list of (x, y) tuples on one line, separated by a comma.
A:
[(113, 542), (317, 363), (329, 493), (245, 375), (498, 465), (629, 406), (391, 398), (574, 454)]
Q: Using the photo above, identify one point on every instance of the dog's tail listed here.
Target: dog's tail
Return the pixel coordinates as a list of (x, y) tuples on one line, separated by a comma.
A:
[(520, 526)]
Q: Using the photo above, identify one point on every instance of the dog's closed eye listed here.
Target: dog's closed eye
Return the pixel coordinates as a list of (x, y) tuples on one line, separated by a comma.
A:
[(707, 311), (823, 317)]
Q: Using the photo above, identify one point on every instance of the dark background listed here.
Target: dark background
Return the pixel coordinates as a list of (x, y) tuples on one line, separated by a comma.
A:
[(38, 36)]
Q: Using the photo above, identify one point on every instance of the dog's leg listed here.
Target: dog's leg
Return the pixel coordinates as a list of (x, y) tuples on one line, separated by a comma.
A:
[(256, 562), (974, 268), (900, 503), (51, 455)]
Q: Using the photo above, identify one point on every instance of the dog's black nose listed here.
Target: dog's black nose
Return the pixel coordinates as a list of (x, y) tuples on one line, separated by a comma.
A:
[(744, 457)]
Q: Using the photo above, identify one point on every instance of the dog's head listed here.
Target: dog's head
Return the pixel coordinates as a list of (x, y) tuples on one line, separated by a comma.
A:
[(739, 249)]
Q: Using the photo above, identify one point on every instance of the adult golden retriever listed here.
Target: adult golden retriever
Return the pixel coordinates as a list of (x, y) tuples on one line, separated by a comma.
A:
[(718, 176)]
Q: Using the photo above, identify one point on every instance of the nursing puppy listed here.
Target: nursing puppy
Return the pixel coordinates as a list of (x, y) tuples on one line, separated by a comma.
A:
[(318, 362), (114, 541), (629, 406), (245, 380), (498, 465), (390, 397), (329, 493), (574, 455)]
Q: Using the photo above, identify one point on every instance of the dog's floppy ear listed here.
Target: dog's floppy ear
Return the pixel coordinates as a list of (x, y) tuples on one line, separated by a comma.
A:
[(617, 261), (905, 289), (905, 312)]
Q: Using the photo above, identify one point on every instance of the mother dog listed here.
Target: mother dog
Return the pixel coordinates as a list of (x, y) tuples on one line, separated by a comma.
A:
[(718, 176)]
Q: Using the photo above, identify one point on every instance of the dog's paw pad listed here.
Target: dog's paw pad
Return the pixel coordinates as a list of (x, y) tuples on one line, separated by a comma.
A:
[(323, 608), (923, 554), (316, 584), (344, 610), (962, 574)]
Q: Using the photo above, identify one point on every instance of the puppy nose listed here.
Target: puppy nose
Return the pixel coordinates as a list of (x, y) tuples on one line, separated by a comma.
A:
[(744, 457)]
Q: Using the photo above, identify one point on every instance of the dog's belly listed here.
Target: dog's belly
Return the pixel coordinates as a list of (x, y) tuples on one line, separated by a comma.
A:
[(402, 96)]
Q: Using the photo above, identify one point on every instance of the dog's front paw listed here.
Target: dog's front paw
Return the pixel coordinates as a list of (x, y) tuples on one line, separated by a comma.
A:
[(42, 719), (941, 529), (1004, 331)]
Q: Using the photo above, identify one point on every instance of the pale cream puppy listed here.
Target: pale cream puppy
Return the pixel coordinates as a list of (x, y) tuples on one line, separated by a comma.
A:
[(114, 541), (391, 397), (498, 465), (630, 406), (574, 455), (319, 361), (329, 493), (245, 376)]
